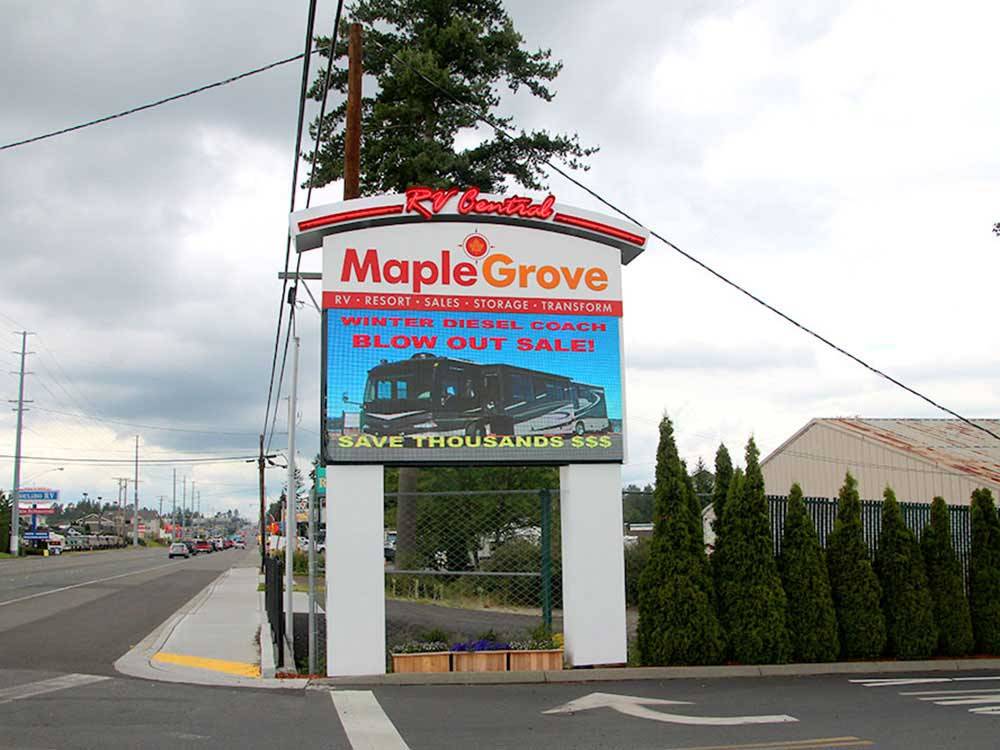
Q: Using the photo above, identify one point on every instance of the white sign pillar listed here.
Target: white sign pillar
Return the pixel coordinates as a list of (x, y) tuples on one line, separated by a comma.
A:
[(355, 571), (593, 564)]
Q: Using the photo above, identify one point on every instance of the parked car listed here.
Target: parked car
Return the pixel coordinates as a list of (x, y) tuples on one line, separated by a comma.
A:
[(189, 543), (217, 544), (227, 544), (203, 545), (389, 546), (178, 549), (239, 544)]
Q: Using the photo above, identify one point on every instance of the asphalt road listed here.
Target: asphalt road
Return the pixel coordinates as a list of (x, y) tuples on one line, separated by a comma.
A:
[(79, 612), (64, 621)]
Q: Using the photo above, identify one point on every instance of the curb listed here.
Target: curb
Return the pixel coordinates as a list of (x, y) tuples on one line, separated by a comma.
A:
[(138, 661), (608, 674)]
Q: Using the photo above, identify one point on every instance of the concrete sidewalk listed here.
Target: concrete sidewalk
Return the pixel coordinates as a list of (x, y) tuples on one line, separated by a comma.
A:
[(211, 640)]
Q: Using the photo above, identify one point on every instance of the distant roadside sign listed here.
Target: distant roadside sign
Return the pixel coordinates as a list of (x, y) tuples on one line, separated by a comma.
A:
[(38, 493), (35, 509), (38, 536), (320, 480)]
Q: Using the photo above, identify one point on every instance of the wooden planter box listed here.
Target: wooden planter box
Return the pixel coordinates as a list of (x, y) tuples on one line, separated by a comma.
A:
[(435, 661), (479, 661), (536, 661)]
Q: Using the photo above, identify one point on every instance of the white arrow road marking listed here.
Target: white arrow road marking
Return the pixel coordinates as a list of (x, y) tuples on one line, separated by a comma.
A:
[(31, 689), (631, 705), (365, 723)]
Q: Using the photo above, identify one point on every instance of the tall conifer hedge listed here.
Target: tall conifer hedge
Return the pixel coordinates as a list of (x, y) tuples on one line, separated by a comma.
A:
[(752, 603), (812, 624), (856, 591), (984, 573), (944, 577), (906, 598), (677, 622)]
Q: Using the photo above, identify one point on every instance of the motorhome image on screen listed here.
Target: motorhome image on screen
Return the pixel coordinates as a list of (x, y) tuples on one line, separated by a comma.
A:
[(446, 386)]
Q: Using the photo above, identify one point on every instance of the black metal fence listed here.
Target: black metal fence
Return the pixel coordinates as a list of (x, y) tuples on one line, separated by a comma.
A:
[(274, 603), (823, 512)]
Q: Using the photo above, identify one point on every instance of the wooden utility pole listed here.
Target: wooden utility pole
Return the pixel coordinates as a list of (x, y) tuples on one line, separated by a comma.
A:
[(352, 133)]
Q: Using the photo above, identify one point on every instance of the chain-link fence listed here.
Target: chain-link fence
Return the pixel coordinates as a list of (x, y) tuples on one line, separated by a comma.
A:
[(469, 563)]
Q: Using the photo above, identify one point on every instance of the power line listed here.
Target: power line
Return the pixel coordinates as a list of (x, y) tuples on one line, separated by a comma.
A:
[(303, 91), (129, 461), (500, 130), (145, 426), (157, 103)]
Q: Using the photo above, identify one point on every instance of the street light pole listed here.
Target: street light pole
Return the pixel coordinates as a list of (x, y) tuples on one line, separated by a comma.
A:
[(135, 509), (291, 527)]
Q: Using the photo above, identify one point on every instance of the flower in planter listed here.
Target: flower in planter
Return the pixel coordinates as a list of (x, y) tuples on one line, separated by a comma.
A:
[(420, 647), (481, 645)]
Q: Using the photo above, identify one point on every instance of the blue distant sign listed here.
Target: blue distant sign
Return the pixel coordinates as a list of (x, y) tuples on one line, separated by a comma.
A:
[(38, 536), (35, 495)]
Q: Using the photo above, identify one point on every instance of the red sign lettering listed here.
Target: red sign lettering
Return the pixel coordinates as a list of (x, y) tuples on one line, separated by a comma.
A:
[(429, 201)]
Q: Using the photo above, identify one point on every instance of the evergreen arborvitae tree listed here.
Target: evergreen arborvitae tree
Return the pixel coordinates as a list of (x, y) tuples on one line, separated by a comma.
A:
[(722, 574), (812, 623), (906, 597), (752, 605), (856, 591), (984, 573), (723, 476), (944, 577), (677, 622)]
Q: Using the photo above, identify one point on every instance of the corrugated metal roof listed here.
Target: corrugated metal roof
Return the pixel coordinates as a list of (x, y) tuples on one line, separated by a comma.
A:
[(948, 443)]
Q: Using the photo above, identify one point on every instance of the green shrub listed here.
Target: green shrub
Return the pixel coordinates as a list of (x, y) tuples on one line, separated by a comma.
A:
[(812, 623), (906, 598), (677, 622), (984, 573), (636, 557), (944, 577), (752, 603), (856, 591), (720, 490)]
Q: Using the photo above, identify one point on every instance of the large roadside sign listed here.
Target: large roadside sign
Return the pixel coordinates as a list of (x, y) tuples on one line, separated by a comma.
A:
[(38, 494), (461, 327)]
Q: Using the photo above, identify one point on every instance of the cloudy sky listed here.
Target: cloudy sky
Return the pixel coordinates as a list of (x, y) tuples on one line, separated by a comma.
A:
[(838, 159)]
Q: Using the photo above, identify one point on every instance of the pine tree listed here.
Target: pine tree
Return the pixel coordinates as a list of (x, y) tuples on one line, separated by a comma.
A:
[(856, 591), (944, 577), (906, 598), (752, 605), (677, 622), (812, 623), (723, 476), (722, 575), (472, 52), (984, 573)]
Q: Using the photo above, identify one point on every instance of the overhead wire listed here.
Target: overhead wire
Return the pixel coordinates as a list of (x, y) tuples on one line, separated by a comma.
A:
[(486, 119), (332, 52), (303, 91), (153, 104)]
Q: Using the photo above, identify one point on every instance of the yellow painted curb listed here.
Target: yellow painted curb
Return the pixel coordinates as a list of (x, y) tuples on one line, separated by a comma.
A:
[(239, 668)]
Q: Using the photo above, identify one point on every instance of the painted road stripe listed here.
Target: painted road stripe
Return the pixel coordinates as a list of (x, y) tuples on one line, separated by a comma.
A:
[(365, 723), (85, 583), (239, 668), (965, 700), (815, 744), (900, 681), (946, 693), (31, 689)]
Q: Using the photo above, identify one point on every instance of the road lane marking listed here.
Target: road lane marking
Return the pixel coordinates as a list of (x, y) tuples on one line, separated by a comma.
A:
[(239, 668), (31, 689), (981, 691), (900, 681), (365, 723), (815, 744), (984, 699), (85, 583), (635, 706)]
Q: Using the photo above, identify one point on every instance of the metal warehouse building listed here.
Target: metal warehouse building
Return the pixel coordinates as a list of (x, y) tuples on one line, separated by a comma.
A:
[(918, 458)]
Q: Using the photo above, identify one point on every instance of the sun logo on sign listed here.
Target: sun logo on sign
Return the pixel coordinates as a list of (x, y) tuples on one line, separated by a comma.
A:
[(476, 246)]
